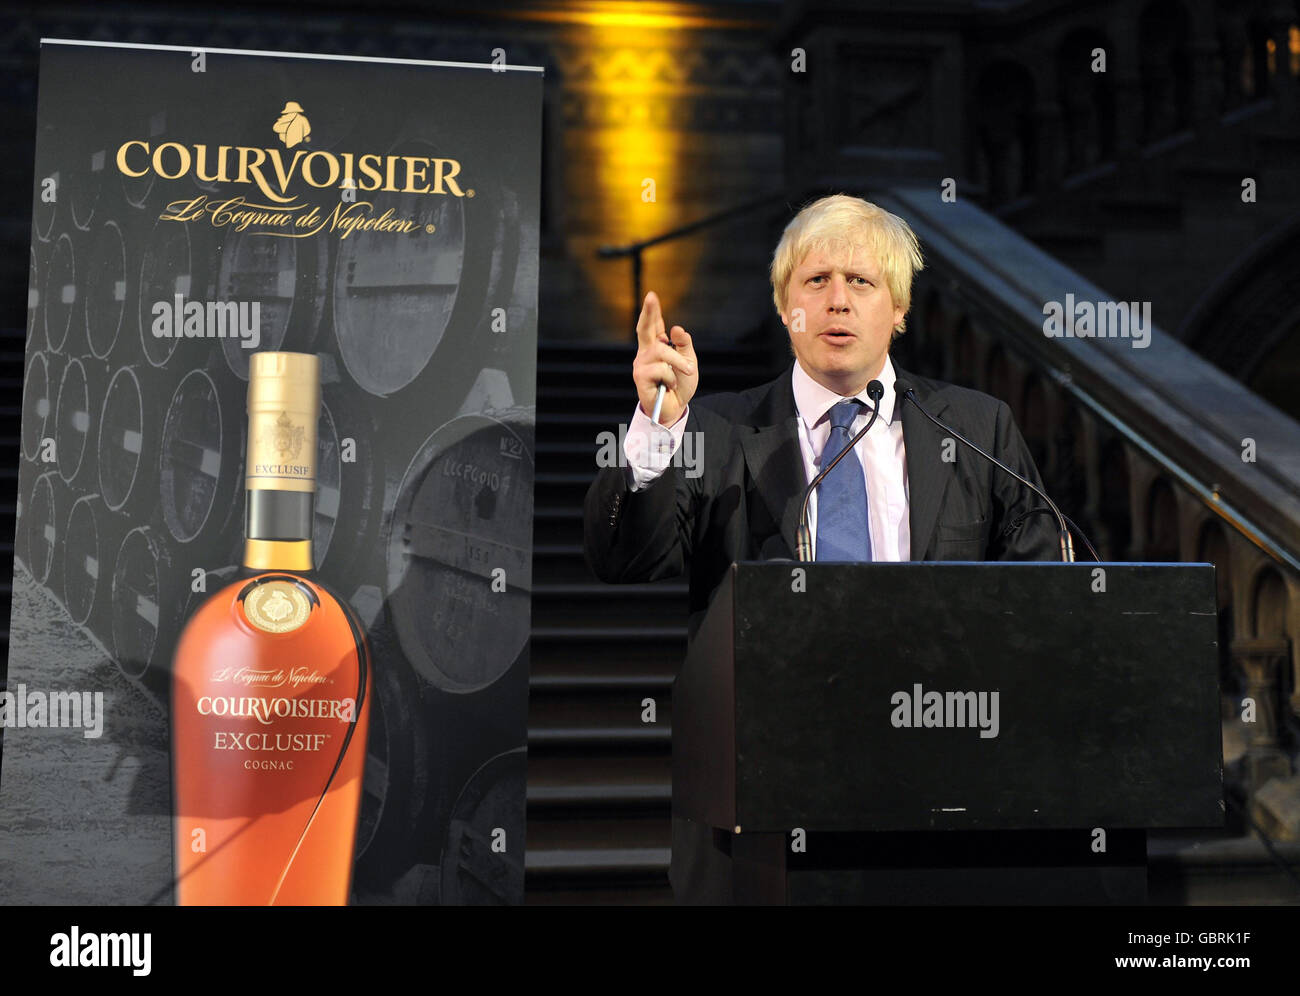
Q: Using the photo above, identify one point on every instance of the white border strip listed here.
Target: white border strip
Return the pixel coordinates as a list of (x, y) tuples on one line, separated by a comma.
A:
[(190, 49)]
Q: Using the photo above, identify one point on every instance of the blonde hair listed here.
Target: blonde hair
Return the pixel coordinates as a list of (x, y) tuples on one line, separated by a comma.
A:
[(839, 224)]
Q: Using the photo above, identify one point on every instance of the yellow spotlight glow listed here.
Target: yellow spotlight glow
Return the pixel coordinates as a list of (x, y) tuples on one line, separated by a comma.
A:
[(634, 87)]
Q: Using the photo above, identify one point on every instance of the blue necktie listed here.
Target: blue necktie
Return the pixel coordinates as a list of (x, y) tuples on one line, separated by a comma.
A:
[(842, 532)]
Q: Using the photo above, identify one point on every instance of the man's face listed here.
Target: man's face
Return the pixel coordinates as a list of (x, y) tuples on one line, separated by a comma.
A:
[(847, 319)]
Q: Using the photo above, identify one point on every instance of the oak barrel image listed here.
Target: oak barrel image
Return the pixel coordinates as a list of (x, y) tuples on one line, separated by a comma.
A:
[(144, 612), (60, 293), (202, 458), (459, 551), (106, 289)]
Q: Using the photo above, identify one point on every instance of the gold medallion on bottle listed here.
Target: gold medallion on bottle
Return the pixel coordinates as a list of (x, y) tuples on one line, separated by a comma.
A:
[(277, 607)]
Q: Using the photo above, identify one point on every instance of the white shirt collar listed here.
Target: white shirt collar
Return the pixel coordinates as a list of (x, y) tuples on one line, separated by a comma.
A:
[(814, 401)]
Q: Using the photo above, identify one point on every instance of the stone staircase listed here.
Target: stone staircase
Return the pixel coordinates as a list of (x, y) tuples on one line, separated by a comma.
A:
[(599, 777)]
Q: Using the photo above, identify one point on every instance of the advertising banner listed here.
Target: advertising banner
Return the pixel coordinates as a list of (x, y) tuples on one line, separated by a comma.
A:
[(269, 638)]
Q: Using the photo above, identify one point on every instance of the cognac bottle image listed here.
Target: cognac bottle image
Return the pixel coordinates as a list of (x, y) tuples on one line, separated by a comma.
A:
[(270, 683)]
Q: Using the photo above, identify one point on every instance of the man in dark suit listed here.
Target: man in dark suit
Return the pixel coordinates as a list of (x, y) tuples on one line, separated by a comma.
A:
[(841, 279)]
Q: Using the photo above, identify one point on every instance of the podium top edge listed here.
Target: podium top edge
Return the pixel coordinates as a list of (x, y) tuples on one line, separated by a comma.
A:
[(494, 67)]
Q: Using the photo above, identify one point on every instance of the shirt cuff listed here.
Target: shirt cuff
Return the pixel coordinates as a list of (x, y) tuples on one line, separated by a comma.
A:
[(649, 448)]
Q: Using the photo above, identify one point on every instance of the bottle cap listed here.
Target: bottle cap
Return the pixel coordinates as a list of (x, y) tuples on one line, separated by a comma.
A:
[(284, 381), (283, 409)]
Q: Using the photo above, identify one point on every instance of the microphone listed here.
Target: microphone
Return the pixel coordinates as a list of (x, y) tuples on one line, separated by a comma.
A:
[(875, 391), (903, 389)]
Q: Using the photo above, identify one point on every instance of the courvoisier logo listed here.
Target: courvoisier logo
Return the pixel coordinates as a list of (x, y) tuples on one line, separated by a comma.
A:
[(279, 178)]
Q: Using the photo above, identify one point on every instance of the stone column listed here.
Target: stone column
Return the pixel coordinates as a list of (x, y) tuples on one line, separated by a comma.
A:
[(1261, 661)]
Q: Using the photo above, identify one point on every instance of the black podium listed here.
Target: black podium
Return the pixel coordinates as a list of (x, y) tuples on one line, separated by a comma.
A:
[(943, 732)]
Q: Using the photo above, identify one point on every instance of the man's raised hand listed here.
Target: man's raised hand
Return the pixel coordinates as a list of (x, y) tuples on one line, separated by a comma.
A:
[(663, 358)]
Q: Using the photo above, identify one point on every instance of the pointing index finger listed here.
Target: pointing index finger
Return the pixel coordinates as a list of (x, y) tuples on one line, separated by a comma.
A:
[(650, 326)]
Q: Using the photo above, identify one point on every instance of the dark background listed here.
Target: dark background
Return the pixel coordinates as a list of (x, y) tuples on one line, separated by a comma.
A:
[(1122, 185)]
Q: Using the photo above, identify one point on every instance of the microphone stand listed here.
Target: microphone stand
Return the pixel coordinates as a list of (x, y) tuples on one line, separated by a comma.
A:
[(1067, 544)]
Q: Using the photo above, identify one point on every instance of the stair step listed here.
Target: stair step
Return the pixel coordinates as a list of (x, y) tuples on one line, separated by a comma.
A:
[(611, 718), (609, 780), (559, 489), (575, 662), (558, 524), (653, 672), (580, 430), (621, 604), (597, 846), (614, 400), (561, 563)]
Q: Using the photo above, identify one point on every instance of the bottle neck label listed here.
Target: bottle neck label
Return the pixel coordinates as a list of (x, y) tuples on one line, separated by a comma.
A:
[(281, 451)]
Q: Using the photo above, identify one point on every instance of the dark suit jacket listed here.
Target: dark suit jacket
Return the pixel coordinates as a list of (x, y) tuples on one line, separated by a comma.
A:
[(745, 506)]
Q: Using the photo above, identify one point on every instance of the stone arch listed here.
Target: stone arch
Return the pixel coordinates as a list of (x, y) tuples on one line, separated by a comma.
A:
[(1273, 377), (1162, 522), (1268, 604), (1270, 612), (1263, 656), (1004, 130), (1113, 512), (1248, 322), (1070, 476)]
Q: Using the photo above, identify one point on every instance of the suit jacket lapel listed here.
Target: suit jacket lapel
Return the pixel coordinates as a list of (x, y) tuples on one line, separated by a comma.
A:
[(774, 460), (776, 463), (927, 474)]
